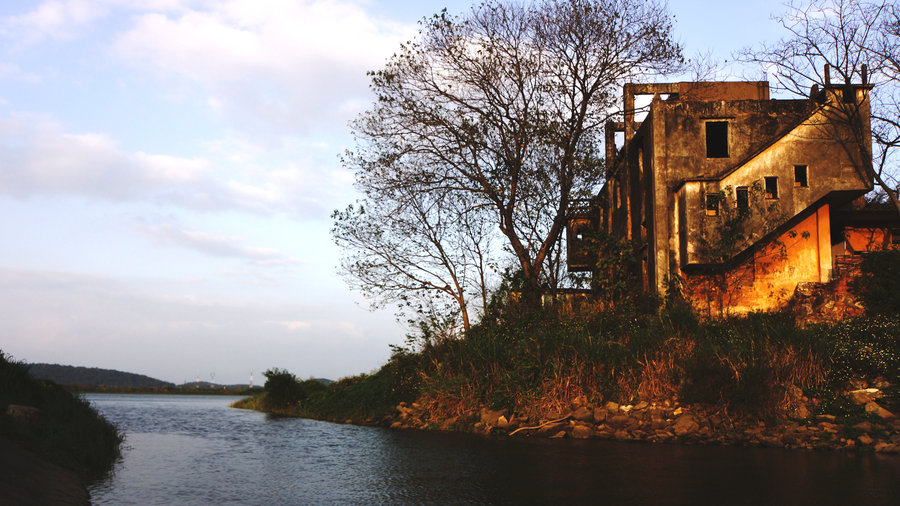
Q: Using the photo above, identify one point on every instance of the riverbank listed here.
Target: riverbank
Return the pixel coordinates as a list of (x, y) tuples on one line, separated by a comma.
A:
[(51, 441), (663, 376), (28, 478)]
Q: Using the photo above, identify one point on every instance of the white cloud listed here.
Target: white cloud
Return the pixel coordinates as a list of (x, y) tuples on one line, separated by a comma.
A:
[(41, 158), (282, 64), (218, 245), (53, 19)]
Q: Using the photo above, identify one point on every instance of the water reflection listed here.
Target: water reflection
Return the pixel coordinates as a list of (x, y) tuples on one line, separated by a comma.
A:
[(197, 451)]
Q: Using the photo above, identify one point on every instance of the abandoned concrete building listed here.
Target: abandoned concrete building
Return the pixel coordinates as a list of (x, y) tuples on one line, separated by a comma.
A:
[(740, 197)]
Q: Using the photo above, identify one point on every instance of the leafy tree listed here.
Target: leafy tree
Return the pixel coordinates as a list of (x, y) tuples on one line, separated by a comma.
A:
[(841, 36), (500, 109)]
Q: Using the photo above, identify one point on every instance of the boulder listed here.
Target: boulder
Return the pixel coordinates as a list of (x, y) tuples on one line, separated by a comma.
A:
[(865, 439), (490, 417), (23, 414), (583, 414), (685, 425), (612, 407), (865, 395), (618, 421), (600, 415), (581, 432), (873, 407)]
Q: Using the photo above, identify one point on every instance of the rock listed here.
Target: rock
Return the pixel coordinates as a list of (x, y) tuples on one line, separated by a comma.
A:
[(863, 426), (559, 435), (685, 425), (502, 422), (677, 411), (612, 407), (873, 407), (626, 408), (801, 412), (551, 430), (618, 421), (865, 439), (825, 418), (397, 425), (887, 448), (600, 415), (583, 414), (865, 395), (23, 414), (641, 406), (490, 417), (581, 432)]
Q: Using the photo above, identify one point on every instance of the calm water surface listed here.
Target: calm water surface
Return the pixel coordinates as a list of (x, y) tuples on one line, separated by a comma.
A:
[(197, 450)]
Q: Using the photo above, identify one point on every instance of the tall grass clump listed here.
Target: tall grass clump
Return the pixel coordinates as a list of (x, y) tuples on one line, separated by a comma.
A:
[(66, 429)]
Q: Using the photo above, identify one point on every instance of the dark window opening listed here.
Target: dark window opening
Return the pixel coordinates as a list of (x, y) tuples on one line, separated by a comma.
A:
[(800, 176), (712, 204), (771, 187), (848, 95), (717, 139), (742, 196), (895, 236)]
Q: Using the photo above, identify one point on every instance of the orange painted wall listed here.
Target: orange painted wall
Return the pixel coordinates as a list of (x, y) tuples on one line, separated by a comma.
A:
[(768, 279), (868, 239)]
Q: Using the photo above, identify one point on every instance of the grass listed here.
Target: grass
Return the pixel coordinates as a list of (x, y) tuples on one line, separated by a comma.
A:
[(67, 430), (536, 362)]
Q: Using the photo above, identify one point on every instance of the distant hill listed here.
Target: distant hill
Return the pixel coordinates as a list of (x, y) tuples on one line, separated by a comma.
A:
[(93, 376)]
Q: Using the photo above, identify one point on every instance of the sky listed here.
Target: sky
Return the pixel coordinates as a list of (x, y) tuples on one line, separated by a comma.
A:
[(168, 169)]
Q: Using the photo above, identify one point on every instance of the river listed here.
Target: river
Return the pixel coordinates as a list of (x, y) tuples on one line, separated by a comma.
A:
[(196, 450)]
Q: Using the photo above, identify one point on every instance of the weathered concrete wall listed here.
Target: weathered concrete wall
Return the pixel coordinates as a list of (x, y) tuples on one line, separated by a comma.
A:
[(768, 278)]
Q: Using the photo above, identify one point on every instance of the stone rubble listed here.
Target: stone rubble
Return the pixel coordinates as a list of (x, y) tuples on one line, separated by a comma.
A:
[(668, 421)]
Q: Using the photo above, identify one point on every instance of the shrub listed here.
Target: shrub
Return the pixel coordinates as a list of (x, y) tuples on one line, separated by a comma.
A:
[(879, 283)]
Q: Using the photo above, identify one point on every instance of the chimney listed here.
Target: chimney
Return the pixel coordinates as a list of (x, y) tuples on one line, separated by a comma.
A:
[(827, 82), (865, 74)]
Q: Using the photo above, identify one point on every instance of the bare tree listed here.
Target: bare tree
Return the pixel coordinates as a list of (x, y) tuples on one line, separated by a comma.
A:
[(418, 249), (502, 108), (854, 40)]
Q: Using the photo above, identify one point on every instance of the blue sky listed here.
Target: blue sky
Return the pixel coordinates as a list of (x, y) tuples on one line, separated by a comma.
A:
[(168, 169)]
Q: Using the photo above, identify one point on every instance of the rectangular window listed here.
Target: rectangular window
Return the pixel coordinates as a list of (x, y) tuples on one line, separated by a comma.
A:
[(742, 196), (849, 95), (895, 236), (712, 204), (771, 187), (717, 139), (800, 177)]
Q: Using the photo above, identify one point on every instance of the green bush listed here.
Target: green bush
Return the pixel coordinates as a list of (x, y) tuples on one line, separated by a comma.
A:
[(283, 390), (879, 282)]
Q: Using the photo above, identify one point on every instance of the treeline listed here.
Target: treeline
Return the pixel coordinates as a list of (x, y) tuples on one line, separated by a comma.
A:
[(94, 377)]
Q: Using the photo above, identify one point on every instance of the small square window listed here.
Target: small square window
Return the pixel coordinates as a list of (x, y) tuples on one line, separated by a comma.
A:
[(712, 204), (717, 139), (771, 187), (800, 177), (742, 196)]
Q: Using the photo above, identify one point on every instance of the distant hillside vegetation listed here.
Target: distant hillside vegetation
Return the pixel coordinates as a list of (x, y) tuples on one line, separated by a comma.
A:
[(93, 376)]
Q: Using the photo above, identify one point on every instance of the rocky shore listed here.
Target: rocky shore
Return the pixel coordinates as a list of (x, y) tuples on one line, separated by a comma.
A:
[(668, 421)]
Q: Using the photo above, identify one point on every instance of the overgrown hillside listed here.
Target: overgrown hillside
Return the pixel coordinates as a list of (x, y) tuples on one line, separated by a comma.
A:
[(45, 418), (532, 365)]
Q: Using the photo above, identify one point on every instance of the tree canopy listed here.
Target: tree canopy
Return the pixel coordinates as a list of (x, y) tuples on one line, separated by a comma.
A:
[(500, 112)]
